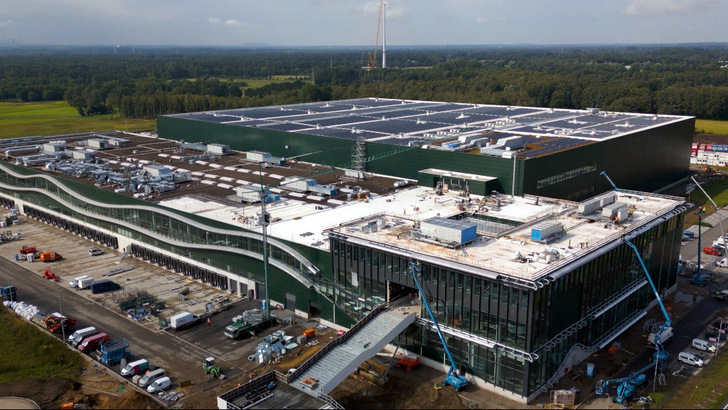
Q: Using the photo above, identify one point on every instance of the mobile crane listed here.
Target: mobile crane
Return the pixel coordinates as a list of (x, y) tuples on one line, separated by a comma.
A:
[(627, 385), (452, 378)]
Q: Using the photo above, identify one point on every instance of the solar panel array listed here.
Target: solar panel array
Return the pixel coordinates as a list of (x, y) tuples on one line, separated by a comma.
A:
[(406, 122)]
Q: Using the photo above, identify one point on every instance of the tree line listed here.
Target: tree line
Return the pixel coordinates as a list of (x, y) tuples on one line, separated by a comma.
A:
[(684, 80)]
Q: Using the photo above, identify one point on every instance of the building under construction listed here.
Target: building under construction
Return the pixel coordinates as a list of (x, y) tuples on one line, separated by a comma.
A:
[(522, 285)]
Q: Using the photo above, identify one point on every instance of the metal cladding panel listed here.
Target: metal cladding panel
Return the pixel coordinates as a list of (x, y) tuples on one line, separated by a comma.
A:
[(643, 161)]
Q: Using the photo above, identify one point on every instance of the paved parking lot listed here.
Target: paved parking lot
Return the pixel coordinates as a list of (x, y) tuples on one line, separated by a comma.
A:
[(181, 353)]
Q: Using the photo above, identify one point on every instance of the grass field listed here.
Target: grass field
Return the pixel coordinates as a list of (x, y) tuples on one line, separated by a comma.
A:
[(711, 127), (57, 117), (30, 353)]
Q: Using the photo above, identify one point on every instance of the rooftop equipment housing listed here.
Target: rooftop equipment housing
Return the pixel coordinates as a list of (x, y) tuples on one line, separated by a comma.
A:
[(98, 143), (309, 185), (547, 231), (449, 230), (219, 149)]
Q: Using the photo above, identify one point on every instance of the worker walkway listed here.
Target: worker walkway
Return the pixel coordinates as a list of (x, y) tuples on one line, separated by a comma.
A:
[(363, 342)]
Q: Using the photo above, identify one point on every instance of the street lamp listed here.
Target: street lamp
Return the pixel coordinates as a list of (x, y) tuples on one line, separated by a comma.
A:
[(63, 325), (700, 214)]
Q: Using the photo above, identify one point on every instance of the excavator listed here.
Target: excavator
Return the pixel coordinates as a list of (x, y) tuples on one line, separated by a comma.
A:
[(452, 378)]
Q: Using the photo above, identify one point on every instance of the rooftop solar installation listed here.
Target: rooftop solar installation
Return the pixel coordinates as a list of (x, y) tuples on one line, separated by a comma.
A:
[(406, 122)]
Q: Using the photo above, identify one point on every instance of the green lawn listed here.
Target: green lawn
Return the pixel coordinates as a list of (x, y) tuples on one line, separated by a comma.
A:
[(31, 353), (711, 127), (57, 117)]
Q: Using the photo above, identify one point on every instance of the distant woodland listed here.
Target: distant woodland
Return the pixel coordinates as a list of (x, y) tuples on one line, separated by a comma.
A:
[(689, 80)]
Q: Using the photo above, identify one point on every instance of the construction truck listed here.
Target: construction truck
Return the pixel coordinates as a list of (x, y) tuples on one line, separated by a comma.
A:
[(241, 327), (9, 293), (452, 378), (626, 386), (113, 351), (57, 323)]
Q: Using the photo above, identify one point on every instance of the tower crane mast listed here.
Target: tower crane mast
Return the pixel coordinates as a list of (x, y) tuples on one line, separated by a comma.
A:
[(373, 57)]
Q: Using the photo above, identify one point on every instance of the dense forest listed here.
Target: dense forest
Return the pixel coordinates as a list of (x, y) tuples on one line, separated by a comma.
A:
[(145, 82)]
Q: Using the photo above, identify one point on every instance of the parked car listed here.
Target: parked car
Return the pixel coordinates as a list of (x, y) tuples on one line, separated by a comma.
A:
[(701, 344), (95, 252), (688, 234), (712, 251), (723, 263), (690, 359)]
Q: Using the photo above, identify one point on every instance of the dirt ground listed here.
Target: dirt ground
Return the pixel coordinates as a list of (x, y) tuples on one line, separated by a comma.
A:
[(411, 390), (96, 389)]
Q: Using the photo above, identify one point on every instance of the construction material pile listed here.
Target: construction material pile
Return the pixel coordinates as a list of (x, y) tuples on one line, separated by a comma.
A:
[(23, 309)]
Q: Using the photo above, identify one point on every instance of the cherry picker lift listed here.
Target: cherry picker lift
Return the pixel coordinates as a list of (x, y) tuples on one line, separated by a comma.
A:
[(452, 378)]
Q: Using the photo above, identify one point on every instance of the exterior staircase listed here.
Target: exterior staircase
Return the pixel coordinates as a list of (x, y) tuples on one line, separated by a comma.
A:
[(332, 364)]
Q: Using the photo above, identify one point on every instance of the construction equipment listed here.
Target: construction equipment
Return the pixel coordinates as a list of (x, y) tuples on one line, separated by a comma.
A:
[(9, 293), (408, 363), (29, 253), (373, 58), (626, 386), (242, 327), (452, 378), (210, 367), (48, 274), (113, 351), (57, 323)]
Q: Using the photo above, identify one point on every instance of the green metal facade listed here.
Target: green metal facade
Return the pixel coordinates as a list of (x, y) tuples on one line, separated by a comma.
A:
[(643, 161), (211, 243)]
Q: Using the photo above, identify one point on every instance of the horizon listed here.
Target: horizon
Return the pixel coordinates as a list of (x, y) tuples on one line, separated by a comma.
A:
[(354, 23)]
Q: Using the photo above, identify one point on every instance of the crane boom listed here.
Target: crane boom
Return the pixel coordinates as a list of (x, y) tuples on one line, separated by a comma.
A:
[(628, 385), (452, 378), (373, 58)]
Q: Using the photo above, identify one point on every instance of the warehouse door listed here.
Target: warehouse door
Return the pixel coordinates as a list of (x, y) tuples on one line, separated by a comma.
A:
[(290, 302), (314, 310)]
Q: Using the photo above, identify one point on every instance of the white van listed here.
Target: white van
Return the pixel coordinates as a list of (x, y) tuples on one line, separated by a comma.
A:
[(74, 282), (80, 334), (95, 252), (690, 359), (160, 384), (85, 283), (701, 344), (151, 376), (135, 367)]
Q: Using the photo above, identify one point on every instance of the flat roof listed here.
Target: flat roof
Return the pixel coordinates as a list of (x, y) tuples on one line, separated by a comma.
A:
[(412, 122)]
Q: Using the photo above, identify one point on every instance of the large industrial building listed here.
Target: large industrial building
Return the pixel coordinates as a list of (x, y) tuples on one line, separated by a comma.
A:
[(522, 285), (556, 153)]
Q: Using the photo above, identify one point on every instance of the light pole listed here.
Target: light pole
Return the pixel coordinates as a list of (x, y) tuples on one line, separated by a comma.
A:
[(700, 214), (264, 223), (63, 324)]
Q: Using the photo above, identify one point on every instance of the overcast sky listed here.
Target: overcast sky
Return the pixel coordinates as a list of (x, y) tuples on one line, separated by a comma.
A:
[(354, 22)]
